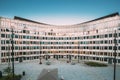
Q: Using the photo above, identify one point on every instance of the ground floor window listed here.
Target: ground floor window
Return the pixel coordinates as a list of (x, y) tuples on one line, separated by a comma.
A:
[(118, 60)]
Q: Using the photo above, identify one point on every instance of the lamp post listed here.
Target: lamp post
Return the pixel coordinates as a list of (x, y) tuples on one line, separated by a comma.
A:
[(67, 58), (46, 56), (70, 58), (114, 60), (78, 57), (9, 65), (78, 54), (40, 54), (12, 42)]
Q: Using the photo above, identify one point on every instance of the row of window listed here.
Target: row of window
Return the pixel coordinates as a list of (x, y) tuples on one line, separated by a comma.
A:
[(18, 58), (44, 52), (54, 43), (19, 36), (82, 47), (20, 48), (19, 42), (58, 56), (60, 47), (8, 30), (84, 42), (80, 38), (58, 38), (58, 43), (20, 53)]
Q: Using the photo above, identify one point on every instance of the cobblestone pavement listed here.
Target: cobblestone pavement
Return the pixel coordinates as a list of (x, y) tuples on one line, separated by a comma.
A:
[(79, 71)]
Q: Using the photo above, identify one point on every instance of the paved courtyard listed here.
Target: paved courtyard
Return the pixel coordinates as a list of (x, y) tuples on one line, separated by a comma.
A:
[(79, 71)]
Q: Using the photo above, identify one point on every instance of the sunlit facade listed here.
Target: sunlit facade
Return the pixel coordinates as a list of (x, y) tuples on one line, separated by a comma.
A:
[(92, 40)]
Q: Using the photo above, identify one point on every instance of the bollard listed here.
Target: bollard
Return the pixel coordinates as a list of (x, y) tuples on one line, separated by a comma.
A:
[(23, 73), (0, 74)]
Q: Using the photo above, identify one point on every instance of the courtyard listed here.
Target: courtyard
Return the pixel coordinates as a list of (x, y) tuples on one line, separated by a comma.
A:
[(79, 71)]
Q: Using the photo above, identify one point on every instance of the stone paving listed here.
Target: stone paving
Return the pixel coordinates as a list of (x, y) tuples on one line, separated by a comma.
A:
[(79, 71)]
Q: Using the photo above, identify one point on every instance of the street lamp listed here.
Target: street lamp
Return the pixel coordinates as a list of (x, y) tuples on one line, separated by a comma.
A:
[(70, 56), (12, 42), (114, 60), (40, 54), (9, 65), (46, 56), (78, 57), (67, 58), (78, 53)]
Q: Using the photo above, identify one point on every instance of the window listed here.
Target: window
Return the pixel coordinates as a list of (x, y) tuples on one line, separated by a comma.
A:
[(2, 35), (93, 47), (118, 54), (90, 37), (24, 47), (16, 47), (35, 37), (101, 42), (24, 31), (106, 35), (110, 35), (7, 30), (3, 48), (94, 37), (24, 42), (2, 54), (96, 31), (24, 37), (97, 47), (119, 48), (110, 47), (97, 36), (24, 53), (8, 35), (16, 36), (7, 41), (105, 41), (105, 47), (2, 42)]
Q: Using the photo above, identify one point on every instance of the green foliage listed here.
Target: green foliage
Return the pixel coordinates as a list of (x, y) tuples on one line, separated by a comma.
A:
[(7, 70), (95, 64), (10, 77)]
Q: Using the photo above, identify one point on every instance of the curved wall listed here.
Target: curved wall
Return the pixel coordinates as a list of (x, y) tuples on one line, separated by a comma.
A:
[(92, 40)]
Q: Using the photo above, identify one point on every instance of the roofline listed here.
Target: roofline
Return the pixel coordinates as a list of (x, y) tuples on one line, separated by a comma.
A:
[(110, 15), (24, 19)]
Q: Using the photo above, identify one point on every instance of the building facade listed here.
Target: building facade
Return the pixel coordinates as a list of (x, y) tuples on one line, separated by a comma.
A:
[(91, 40)]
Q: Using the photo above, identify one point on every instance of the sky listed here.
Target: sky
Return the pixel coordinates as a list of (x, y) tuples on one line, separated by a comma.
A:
[(58, 12)]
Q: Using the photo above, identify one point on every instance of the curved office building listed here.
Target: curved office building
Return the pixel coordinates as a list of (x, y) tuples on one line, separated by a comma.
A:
[(92, 40)]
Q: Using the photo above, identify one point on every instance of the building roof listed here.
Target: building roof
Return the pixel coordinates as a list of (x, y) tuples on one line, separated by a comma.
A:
[(110, 15), (24, 19), (107, 16)]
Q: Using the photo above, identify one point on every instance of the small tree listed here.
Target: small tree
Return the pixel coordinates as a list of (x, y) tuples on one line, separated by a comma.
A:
[(9, 75), (8, 70)]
